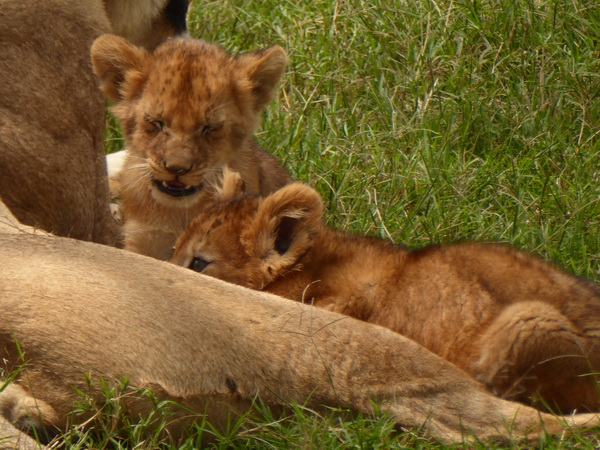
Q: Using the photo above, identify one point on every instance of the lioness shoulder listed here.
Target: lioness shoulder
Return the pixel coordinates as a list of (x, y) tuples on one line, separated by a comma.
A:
[(52, 115), (188, 109)]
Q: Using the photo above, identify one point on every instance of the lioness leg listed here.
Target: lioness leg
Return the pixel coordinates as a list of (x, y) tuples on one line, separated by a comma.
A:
[(82, 313), (552, 361), (12, 438)]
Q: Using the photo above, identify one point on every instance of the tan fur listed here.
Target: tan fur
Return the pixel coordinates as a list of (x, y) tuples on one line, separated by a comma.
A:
[(187, 109), (143, 22), (10, 224), (52, 170), (13, 439), (518, 324), (80, 310)]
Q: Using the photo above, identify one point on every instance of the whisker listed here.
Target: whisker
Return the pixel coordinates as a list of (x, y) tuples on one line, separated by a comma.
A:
[(216, 108), (134, 167), (141, 178)]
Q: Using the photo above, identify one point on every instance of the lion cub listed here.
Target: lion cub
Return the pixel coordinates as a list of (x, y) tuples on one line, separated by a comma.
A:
[(524, 328), (187, 110)]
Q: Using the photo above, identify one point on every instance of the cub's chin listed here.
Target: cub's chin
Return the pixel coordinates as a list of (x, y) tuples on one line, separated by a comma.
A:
[(176, 194)]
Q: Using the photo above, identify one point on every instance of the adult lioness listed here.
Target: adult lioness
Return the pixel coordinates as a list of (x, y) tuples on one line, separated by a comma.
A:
[(521, 326), (187, 110), (52, 115), (81, 312)]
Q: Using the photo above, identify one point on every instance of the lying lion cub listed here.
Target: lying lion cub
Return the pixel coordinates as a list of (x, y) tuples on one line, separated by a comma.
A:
[(187, 109), (521, 326)]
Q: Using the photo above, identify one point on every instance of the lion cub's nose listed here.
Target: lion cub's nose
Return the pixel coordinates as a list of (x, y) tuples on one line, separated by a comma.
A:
[(176, 169)]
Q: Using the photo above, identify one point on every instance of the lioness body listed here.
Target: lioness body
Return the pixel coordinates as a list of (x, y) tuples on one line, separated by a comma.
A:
[(518, 324), (82, 311), (52, 115), (187, 109)]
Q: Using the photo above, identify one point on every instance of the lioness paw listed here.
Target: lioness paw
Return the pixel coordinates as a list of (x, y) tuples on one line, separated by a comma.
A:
[(23, 410)]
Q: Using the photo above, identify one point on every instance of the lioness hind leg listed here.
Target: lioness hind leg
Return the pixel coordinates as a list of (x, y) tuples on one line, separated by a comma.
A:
[(534, 354), (24, 411)]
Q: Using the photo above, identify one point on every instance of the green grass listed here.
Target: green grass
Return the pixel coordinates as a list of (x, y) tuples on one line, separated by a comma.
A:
[(437, 121), (430, 121), (297, 428)]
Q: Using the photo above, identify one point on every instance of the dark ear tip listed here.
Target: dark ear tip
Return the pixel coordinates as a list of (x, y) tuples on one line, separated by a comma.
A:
[(105, 41), (278, 52)]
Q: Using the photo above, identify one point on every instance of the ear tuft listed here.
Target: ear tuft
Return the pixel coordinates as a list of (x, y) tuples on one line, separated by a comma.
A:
[(263, 70), (287, 222), (119, 66), (285, 227), (229, 186)]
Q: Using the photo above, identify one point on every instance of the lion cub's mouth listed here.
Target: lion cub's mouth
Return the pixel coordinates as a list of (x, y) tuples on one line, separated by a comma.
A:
[(176, 188)]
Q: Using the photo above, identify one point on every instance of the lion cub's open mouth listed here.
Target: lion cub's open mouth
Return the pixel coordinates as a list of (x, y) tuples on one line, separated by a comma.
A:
[(176, 188)]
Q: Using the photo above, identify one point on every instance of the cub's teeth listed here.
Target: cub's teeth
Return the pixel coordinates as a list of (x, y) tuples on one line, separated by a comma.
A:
[(175, 185)]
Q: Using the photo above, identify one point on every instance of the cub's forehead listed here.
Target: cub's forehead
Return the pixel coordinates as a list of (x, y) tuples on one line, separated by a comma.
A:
[(185, 60), (230, 215), (190, 72)]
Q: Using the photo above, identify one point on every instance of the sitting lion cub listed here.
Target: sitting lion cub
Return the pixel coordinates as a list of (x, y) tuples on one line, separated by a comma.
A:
[(187, 110), (521, 326)]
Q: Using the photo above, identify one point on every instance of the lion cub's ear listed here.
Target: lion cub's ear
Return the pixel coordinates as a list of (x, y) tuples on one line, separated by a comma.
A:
[(119, 66), (284, 228), (263, 69), (229, 186)]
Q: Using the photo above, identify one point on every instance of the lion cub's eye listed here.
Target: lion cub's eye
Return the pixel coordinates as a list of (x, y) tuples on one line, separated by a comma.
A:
[(198, 264), (207, 130), (157, 124)]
